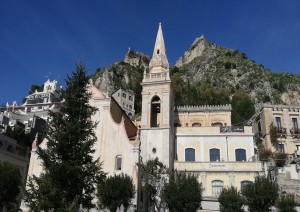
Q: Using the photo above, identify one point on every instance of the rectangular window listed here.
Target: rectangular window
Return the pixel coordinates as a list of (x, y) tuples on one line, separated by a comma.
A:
[(217, 187), (118, 163), (214, 154), (280, 148), (240, 155), (124, 95), (189, 154), (278, 122), (130, 97), (295, 123)]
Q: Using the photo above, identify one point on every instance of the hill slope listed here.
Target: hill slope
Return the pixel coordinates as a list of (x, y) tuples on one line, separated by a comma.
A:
[(231, 69), (205, 74)]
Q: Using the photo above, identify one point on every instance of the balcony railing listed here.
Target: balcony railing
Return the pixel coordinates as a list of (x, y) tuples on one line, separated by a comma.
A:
[(281, 131), (295, 132)]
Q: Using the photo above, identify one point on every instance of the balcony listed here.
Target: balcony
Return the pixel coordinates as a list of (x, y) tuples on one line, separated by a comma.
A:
[(160, 76), (218, 166), (295, 132), (281, 132)]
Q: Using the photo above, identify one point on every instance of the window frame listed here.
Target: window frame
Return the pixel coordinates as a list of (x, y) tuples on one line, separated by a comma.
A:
[(278, 122), (118, 163), (191, 157), (211, 154), (217, 187), (295, 122), (280, 148), (240, 158), (244, 183)]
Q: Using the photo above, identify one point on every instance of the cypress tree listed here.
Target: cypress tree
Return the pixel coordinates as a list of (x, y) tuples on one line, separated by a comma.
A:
[(70, 172)]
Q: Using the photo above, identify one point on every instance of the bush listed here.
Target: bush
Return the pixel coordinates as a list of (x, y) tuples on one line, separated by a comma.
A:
[(10, 181), (286, 203), (273, 134), (227, 65), (115, 191), (182, 193), (260, 195), (264, 154), (231, 200), (279, 158)]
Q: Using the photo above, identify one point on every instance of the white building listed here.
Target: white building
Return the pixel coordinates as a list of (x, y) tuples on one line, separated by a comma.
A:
[(125, 99)]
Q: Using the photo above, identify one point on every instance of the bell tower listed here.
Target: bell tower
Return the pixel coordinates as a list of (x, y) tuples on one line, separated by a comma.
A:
[(157, 107)]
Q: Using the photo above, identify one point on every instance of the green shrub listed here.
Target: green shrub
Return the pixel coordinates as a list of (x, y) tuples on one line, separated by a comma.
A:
[(286, 203)]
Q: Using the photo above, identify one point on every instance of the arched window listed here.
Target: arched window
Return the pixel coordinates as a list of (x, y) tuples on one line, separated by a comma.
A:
[(217, 187), (130, 115), (214, 154), (196, 124), (245, 182), (119, 162), (189, 154), (240, 155), (155, 112), (217, 124)]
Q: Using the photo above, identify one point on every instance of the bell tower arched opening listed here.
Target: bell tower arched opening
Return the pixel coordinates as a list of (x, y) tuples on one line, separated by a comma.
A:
[(155, 112)]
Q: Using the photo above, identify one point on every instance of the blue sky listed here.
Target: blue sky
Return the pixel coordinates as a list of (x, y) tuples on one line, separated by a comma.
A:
[(44, 39)]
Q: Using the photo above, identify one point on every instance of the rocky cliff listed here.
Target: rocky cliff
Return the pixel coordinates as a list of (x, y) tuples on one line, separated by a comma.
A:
[(224, 70), (231, 69)]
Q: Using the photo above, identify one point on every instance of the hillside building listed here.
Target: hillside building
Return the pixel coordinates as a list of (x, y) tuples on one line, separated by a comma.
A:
[(286, 120), (31, 117), (14, 154), (125, 99)]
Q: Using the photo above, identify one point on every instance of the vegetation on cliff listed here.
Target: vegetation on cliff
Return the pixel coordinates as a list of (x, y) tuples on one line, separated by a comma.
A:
[(208, 74)]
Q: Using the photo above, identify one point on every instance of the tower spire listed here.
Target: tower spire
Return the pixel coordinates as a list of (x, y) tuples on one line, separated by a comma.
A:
[(159, 61)]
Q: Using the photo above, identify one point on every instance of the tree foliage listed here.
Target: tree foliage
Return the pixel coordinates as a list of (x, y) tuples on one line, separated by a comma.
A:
[(183, 192), (186, 93), (286, 203), (70, 172), (279, 158), (18, 133), (10, 182), (260, 195), (33, 88), (231, 200), (242, 107), (273, 134), (153, 176), (115, 191)]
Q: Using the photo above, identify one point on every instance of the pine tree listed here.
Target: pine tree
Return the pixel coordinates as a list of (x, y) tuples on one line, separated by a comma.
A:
[(70, 172)]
